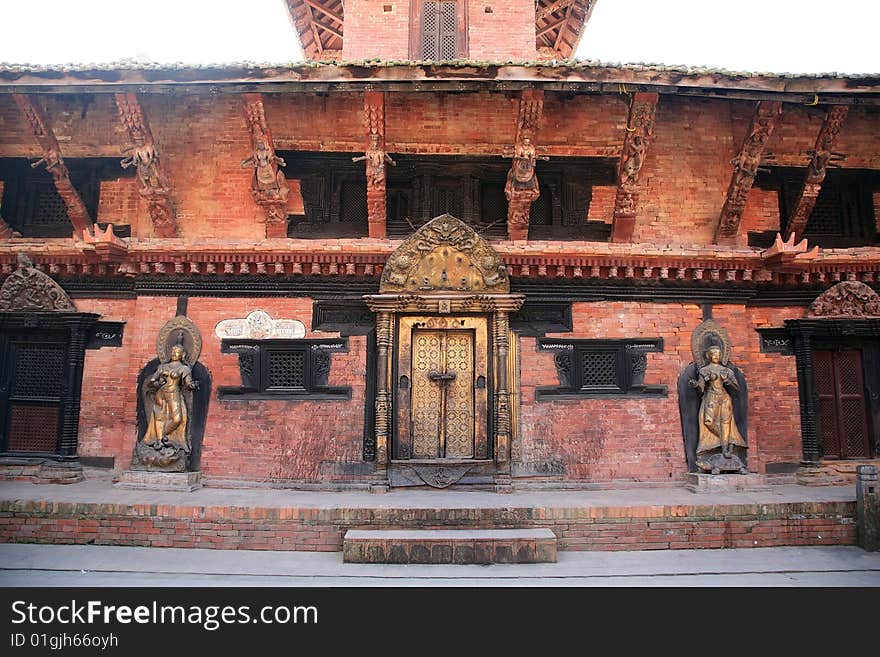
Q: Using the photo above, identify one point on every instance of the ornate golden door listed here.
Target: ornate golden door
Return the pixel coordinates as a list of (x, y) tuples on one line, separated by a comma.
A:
[(442, 389)]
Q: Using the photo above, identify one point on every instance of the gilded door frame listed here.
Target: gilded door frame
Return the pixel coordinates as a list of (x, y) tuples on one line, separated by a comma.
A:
[(402, 400)]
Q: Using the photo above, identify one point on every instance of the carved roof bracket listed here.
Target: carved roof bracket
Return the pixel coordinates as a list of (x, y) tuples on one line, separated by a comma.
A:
[(639, 130), (45, 137), (142, 154), (822, 156), (268, 184), (522, 187), (745, 167)]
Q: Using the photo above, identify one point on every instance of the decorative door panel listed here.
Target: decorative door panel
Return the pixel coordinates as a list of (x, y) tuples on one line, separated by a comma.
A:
[(442, 392), (843, 421)]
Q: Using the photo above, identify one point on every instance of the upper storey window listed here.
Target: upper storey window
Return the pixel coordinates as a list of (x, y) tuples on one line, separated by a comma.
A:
[(439, 30), (31, 204), (844, 213)]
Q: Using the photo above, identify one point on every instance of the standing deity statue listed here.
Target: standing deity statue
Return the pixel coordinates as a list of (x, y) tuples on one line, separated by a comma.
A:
[(168, 421), (718, 433)]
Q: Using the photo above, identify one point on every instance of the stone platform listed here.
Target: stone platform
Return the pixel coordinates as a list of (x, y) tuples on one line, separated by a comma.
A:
[(460, 546), (95, 511), (185, 482), (722, 483)]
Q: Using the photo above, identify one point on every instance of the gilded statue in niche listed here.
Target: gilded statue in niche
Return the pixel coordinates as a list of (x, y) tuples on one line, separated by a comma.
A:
[(719, 434), (167, 393), (713, 405)]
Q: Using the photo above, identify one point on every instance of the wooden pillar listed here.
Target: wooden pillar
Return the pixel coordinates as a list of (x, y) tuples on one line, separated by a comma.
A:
[(501, 333), (522, 186), (376, 159), (384, 340), (639, 130)]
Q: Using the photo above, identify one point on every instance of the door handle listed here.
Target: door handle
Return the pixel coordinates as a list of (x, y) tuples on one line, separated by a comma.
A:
[(441, 377)]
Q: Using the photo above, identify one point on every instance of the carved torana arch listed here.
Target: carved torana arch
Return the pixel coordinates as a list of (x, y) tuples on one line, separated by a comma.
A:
[(28, 289), (846, 299), (445, 255)]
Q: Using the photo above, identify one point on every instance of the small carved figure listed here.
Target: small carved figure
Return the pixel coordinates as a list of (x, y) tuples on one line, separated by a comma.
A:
[(267, 178), (376, 159), (633, 157), (718, 431), (144, 157)]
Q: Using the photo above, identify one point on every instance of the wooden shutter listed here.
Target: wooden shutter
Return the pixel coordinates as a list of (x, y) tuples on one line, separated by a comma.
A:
[(439, 30)]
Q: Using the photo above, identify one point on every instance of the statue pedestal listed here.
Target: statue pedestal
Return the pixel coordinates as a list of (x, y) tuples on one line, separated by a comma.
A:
[(184, 482), (699, 482)]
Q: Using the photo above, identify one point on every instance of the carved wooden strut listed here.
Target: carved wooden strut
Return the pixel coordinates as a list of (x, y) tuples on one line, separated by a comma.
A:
[(376, 158), (745, 167), (142, 154), (76, 209), (522, 187), (268, 184), (640, 128), (822, 157)]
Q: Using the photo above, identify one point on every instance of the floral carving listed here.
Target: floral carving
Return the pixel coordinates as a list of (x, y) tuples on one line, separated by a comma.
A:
[(846, 299), (29, 289)]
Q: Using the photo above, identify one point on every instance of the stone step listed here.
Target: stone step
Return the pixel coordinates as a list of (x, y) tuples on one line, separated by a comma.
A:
[(458, 546)]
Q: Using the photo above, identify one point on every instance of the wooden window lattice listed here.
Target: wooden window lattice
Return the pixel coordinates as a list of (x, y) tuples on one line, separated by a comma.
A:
[(599, 369), (286, 369), (439, 30)]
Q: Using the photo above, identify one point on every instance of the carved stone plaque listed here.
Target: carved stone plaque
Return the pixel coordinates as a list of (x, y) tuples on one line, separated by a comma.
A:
[(259, 325)]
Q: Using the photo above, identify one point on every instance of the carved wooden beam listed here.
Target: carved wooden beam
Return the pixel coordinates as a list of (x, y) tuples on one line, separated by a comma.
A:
[(544, 12), (268, 184), (142, 154), (324, 10), (640, 128), (376, 158), (313, 25), (746, 167), (522, 184), (552, 26), (822, 155), (76, 209)]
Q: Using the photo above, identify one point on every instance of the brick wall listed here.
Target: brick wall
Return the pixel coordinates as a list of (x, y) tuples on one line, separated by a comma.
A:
[(640, 439), (373, 33), (245, 527), (247, 440), (506, 33), (120, 203)]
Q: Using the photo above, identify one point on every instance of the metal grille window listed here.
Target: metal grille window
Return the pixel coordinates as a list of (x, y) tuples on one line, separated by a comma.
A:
[(284, 369), (600, 368), (439, 31)]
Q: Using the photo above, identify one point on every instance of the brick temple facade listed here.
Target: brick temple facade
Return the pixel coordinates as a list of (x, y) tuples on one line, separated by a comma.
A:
[(439, 251)]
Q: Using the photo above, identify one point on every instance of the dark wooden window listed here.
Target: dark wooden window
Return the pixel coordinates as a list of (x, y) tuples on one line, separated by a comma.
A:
[(31, 204), (587, 368), (840, 387), (844, 212), (438, 29), (284, 369), (472, 189), (334, 193)]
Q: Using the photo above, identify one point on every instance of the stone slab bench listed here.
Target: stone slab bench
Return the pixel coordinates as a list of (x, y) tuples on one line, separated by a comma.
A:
[(449, 546)]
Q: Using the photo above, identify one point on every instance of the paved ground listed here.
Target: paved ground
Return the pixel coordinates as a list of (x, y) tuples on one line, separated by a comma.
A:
[(87, 565)]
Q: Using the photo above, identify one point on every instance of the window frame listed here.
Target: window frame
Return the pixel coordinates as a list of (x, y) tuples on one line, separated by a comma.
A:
[(416, 23), (253, 363), (630, 368)]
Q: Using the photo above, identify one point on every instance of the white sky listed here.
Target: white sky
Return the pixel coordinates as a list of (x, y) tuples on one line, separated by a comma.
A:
[(804, 36)]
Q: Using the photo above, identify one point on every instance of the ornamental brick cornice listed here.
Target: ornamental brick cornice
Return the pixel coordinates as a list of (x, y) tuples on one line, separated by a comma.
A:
[(367, 258)]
